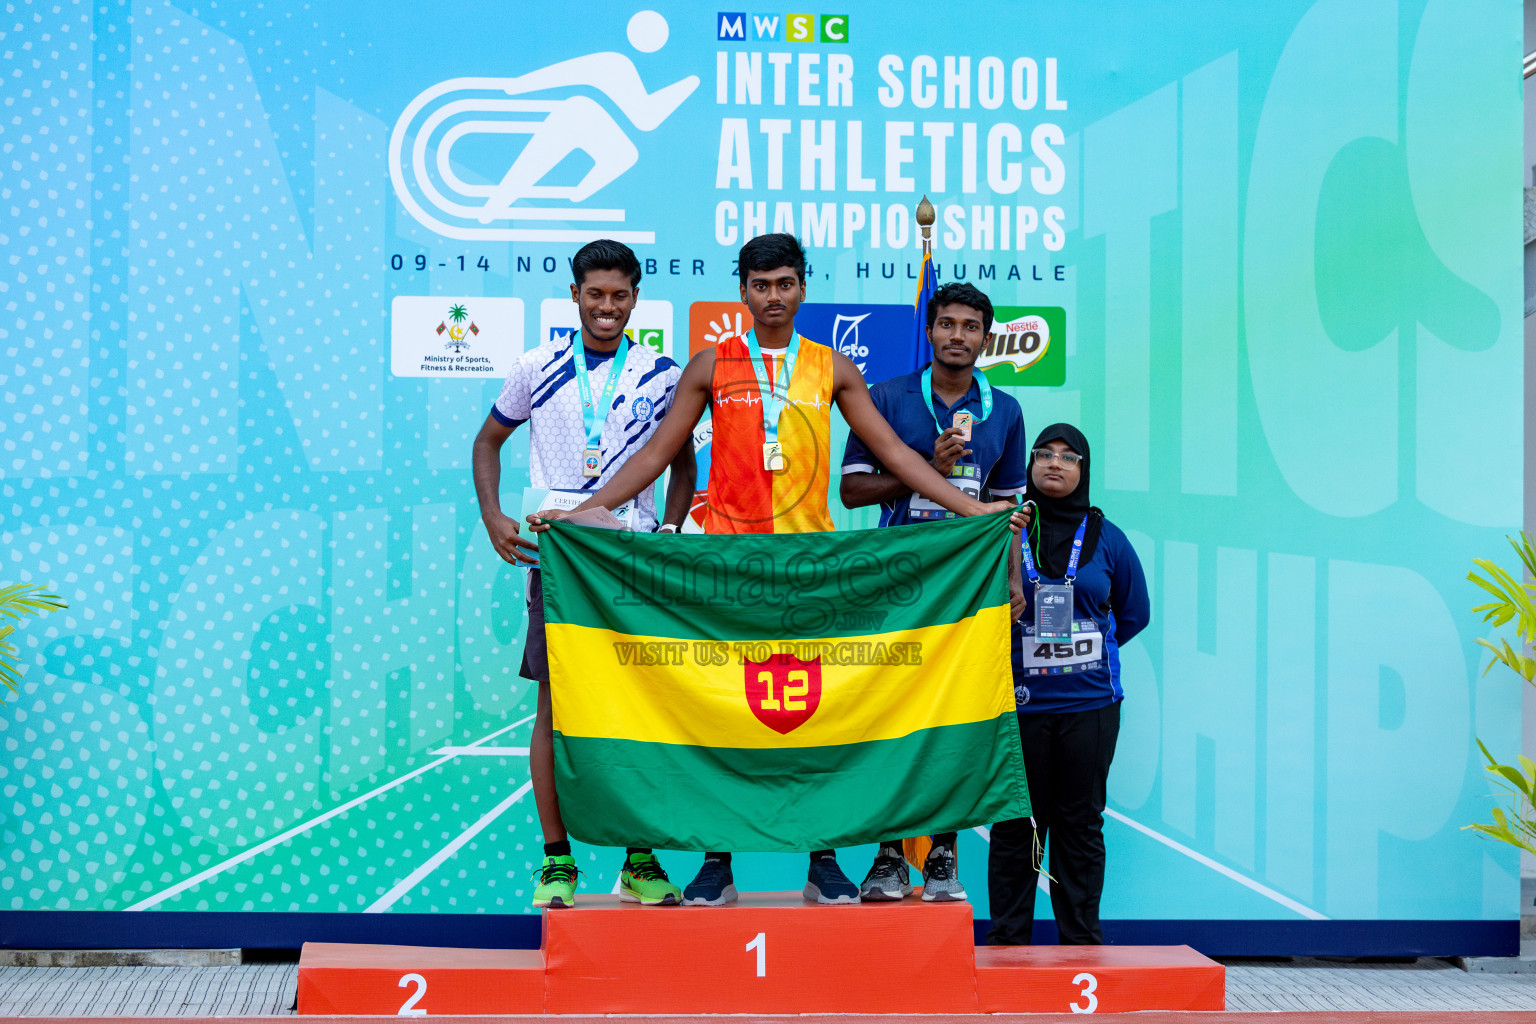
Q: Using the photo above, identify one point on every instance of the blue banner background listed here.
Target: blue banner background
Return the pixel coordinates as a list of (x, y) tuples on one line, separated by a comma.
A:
[(1288, 250)]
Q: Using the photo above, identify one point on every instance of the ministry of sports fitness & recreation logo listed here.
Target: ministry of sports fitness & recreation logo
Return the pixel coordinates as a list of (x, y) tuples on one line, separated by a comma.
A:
[(458, 333), (547, 106)]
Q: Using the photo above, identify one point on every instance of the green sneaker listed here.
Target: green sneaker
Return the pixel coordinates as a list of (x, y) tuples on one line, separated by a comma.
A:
[(642, 881), (557, 883)]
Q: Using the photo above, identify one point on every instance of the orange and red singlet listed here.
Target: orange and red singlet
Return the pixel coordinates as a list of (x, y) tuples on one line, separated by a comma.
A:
[(743, 496)]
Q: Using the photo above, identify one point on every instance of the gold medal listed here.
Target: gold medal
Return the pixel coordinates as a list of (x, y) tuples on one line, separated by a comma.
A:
[(591, 462)]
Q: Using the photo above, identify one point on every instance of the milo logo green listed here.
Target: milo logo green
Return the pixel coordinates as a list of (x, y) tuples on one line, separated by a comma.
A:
[(1027, 346)]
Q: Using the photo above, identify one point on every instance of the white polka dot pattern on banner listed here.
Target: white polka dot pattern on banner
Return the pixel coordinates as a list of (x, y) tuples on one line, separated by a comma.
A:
[(45, 228), (280, 602), (198, 242)]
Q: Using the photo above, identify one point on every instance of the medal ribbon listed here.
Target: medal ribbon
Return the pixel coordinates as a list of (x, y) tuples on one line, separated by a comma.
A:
[(1077, 552), (773, 395), (981, 381), (589, 418)]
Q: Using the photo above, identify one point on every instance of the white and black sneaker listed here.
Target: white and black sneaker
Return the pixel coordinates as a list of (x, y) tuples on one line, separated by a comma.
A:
[(941, 877), (888, 880)]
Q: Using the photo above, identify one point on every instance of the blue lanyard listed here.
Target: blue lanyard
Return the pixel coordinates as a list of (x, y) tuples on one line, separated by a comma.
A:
[(981, 381), (589, 418), (1077, 553), (772, 395)]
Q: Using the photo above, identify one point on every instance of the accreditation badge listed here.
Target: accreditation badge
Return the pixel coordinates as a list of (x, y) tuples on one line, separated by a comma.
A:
[(773, 457), (1053, 611), (591, 462)]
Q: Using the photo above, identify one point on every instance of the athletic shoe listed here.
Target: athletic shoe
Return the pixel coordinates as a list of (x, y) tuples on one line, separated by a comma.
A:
[(826, 882), (712, 886), (642, 881), (888, 879), (557, 883), (941, 877)]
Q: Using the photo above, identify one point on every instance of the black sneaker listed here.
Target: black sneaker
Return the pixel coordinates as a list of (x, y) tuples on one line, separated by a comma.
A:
[(888, 880), (713, 886), (826, 882)]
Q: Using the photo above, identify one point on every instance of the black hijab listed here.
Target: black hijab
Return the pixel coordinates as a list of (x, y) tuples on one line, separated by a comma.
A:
[(1057, 519)]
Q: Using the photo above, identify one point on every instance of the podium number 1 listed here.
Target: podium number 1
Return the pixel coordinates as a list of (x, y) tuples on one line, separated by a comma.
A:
[(409, 1009), (761, 945)]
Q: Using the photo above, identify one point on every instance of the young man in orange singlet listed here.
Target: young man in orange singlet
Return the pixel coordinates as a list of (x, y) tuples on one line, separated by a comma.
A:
[(770, 395)]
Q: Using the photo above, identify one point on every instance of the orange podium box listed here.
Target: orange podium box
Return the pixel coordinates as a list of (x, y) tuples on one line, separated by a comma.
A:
[(769, 953), (418, 981), (1097, 979)]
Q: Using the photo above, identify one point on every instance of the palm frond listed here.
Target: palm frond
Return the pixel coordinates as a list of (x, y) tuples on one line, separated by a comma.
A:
[(1514, 600), (16, 601), (21, 599)]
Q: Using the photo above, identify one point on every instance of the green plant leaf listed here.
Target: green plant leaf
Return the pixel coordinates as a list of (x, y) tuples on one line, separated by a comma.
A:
[(1508, 774), (1514, 601), (16, 601)]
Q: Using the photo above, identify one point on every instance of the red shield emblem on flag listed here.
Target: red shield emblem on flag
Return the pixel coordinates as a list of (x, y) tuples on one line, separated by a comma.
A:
[(783, 691)]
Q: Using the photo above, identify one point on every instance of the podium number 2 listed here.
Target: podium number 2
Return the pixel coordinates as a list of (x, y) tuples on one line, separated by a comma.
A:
[(1089, 983), (409, 1009), (761, 945)]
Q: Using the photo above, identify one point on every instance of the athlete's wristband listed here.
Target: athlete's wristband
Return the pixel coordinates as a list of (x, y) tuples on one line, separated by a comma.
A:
[(666, 528)]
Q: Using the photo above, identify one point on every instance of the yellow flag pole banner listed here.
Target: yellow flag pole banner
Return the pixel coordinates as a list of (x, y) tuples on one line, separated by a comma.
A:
[(781, 692)]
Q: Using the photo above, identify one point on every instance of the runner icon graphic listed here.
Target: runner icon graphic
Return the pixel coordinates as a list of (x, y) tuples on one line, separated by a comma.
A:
[(436, 194)]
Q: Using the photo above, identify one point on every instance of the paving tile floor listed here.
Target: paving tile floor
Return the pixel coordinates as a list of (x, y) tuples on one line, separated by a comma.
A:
[(247, 990), (1424, 984), (270, 989)]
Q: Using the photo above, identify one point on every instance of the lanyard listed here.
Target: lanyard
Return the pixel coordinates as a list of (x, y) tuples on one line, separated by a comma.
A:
[(1077, 551), (981, 381), (772, 395), (589, 418)]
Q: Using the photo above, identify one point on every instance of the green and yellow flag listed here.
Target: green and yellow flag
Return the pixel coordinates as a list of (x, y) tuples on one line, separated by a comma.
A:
[(781, 692)]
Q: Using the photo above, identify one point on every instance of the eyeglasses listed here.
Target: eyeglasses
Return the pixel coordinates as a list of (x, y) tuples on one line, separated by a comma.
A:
[(1045, 455)]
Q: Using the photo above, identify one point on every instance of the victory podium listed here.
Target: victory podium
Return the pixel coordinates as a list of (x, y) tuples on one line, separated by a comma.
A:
[(768, 953)]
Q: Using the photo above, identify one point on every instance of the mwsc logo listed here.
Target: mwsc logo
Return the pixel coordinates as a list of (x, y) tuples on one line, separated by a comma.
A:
[(547, 106), (732, 26)]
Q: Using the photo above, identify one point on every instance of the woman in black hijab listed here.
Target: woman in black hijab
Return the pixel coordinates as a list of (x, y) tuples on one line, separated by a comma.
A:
[(1085, 597)]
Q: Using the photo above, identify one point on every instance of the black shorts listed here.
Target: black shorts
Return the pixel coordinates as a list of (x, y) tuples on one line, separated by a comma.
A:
[(535, 653)]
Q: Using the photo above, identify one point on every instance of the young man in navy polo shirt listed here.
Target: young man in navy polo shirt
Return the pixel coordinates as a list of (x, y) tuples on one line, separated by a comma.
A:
[(972, 434)]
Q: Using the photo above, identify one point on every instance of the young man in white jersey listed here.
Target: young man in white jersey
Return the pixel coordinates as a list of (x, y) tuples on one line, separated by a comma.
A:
[(591, 399)]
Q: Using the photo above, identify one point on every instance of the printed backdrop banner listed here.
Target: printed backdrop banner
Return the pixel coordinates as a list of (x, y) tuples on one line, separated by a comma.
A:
[(259, 272)]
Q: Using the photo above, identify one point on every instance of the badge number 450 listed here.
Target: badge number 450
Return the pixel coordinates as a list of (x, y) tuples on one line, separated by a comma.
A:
[(1082, 647)]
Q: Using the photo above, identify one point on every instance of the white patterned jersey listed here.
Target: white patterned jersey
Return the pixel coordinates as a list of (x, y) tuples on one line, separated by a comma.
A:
[(541, 390)]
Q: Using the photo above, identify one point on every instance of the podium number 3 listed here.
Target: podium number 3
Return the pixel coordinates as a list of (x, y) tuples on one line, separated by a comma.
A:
[(761, 945), (409, 1009), (1089, 983)]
